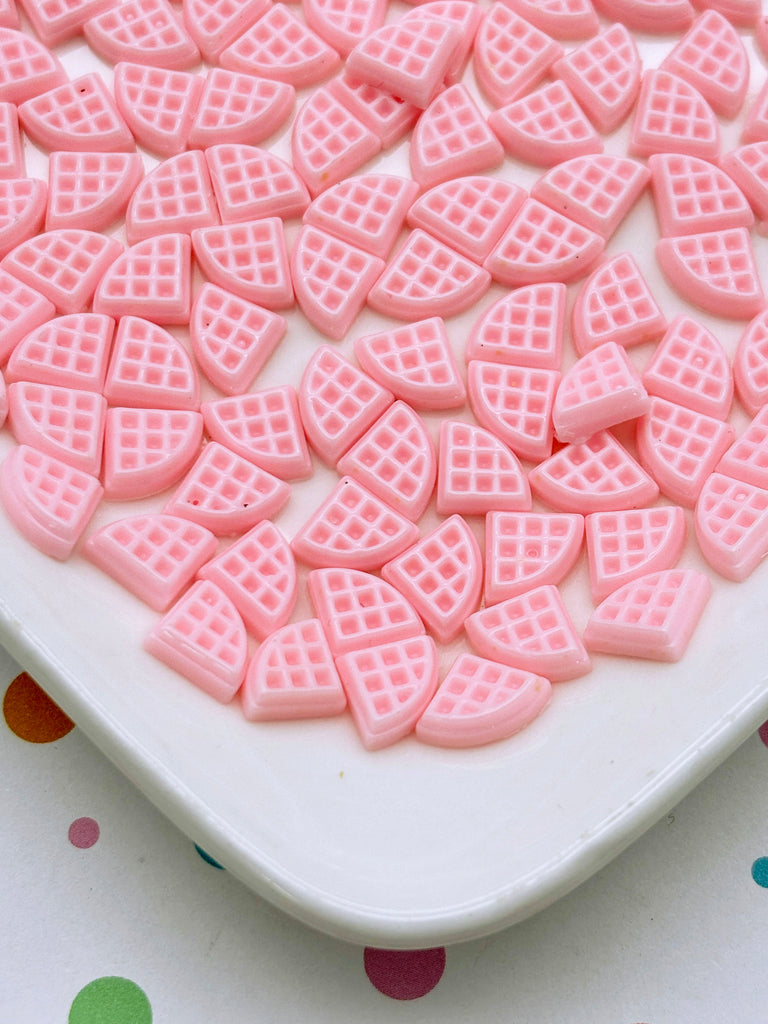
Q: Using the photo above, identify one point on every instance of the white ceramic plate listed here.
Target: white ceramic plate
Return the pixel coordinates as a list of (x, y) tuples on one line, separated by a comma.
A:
[(410, 846)]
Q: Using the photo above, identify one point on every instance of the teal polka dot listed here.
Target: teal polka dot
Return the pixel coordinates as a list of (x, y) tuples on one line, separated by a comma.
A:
[(113, 1000), (760, 871), (208, 858)]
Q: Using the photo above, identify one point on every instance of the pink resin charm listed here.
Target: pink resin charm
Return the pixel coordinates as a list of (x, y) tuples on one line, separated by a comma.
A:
[(477, 473), (293, 676), (524, 550), (480, 702), (389, 687)]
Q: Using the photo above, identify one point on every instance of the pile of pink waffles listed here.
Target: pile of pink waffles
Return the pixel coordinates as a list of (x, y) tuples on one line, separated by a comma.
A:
[(148, 280)]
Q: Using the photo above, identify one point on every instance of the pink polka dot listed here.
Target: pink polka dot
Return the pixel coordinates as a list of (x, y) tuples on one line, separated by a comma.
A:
[(404, 974), (83, 833), (762, 732)]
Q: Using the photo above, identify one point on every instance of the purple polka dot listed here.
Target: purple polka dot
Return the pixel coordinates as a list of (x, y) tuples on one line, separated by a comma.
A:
[(762, 732), (404, 974), (83, 833)]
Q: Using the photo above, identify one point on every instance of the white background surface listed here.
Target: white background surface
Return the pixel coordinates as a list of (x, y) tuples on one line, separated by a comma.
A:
[(674, 931)]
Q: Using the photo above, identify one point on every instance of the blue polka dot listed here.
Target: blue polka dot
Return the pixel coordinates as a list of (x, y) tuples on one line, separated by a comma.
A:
[(208, 858), (760, 871)]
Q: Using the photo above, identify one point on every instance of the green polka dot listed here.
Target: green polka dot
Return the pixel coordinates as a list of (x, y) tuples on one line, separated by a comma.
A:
[(112, 1000), (760, 871)]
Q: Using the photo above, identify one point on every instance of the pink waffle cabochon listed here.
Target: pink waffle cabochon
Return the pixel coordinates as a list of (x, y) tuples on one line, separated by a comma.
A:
[(343, 24), (692, 195), (755, 128), (747, 458), (653, 616), (452, 138), (416, 363), (616, 305), (714, 270), (750, 364), (359, 610), (249, 259), (526, 549), (278, 45), (426, 278), (599, 475), (654, 16), (352, 529), (90, 190), (523, 327), (148, 450), (466, 16), (409, 58), (203, 638), (226, 493), (671, 116), (23, 309), (329, 142), (331, 280), (624, 545), (79, 116), (49, 502), (175, 196), (214, 24), (258, 573), (731, 525), (395, 459), (510, 55), (468, 213), (690, 366), (70, 351), (543, 246), (366, 210), (545, 127), (66, 265), (384, 117), (232, 338), (65, 423), (604, 76), (251, 183), (680, 448), (600, 390), (152, 278), (480, 702), (239, 108), (337, 403), (563, 19), (293, 675), (597, 191), (747, 166), (263, 427), (478, 473), (441, 576), (22, 210), (153, 555), (157, 104), (145, 31), (388, 688), (150, 368), (12, 163), (515, 403), (712, 57), (533, 632), (27, 67)]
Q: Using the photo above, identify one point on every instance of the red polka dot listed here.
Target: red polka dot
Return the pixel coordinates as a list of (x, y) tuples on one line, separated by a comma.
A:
[(404, 974), (83, 833), (31, 714), (762, 732)]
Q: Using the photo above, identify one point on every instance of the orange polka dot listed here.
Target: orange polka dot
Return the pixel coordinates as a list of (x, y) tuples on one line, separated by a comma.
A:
[(31, 714)]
